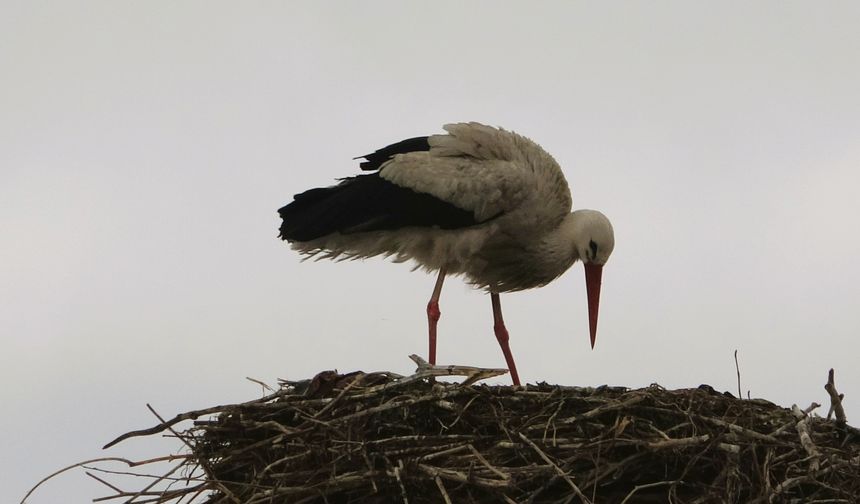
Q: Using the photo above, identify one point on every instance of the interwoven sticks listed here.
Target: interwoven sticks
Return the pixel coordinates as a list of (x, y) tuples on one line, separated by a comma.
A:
[(380, 438)]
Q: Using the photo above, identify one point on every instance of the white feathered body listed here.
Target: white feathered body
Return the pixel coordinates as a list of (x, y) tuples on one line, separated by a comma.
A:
[(524, 236)]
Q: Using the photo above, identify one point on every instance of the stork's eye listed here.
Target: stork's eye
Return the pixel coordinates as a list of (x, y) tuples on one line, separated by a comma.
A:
[(593, 246)]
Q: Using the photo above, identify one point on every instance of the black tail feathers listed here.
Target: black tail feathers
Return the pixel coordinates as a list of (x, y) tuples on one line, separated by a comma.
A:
[(369, 203)]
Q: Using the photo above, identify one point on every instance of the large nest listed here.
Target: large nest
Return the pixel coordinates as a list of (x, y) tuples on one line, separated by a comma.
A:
[(382, 438)]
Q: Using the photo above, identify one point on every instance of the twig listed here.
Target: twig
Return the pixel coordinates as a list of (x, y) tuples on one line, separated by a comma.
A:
[(130, 463), (461, 477), (802, 427), (442, 490), (647, 485), (103, 482), (400, 482), (337, 399), (472, 374), (146, 475), (426, 370), (679, 443), (835, 399), (191, 415), (558, 469), (738, 429), (477, 454), (810, 408), (604, 408), (792, 422), (207, 468), (738, 369), (260, 383)]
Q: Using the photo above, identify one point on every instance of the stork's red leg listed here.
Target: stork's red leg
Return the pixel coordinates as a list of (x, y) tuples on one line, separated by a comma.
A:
[(433, 314), (502, 336)]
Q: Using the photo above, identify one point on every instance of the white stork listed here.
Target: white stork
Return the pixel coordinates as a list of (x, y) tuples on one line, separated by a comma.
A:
[(481, 202)]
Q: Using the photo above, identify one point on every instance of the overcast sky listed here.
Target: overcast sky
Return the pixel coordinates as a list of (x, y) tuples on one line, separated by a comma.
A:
[(146, 146)]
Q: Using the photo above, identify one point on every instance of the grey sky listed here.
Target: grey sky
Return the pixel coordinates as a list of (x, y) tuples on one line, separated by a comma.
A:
[(145, 146)]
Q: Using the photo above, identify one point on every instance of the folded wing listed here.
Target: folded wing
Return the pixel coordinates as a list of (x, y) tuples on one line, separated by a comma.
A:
[(470, 175)]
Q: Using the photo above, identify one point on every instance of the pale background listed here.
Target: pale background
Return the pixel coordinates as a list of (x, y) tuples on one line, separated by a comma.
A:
[(145, 147)]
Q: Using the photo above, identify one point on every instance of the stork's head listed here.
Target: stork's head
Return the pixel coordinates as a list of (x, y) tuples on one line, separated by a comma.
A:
[(592, 236), (594, 241)]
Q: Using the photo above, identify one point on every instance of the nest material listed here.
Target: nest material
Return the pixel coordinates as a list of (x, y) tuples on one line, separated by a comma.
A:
[(376, 438)]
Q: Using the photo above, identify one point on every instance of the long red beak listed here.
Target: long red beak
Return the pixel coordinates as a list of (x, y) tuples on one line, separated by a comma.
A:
[(593, 273)]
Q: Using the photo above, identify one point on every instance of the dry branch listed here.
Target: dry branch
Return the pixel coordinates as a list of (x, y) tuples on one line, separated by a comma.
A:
[(835, 399)]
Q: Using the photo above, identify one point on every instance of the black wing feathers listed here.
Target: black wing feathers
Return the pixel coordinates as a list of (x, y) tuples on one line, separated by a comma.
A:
[(369, 203), (375, 160)]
